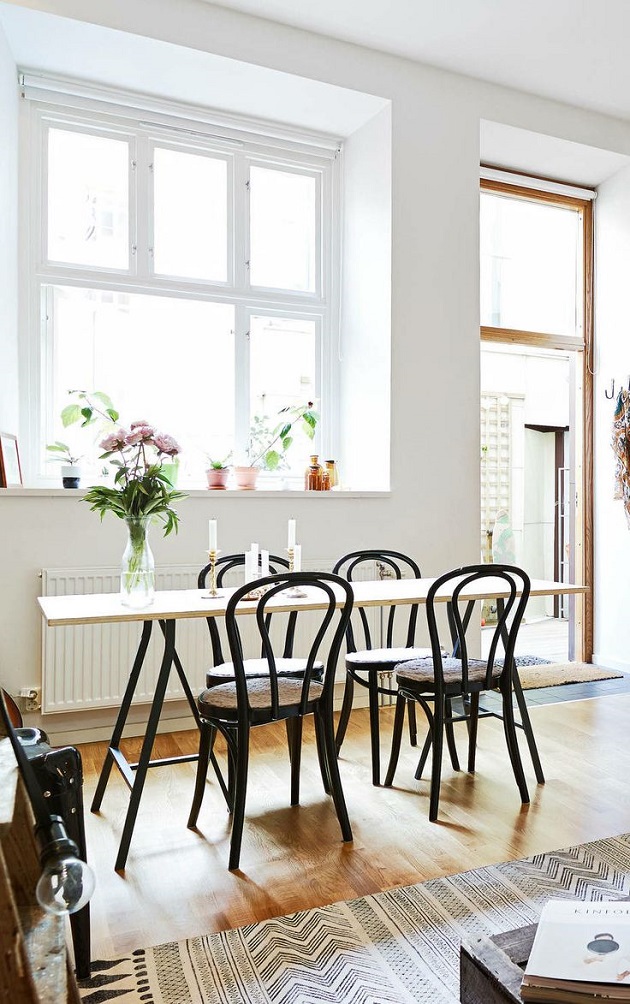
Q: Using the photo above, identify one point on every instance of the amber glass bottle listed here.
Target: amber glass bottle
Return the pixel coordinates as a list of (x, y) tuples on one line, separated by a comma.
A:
[(331, 467), (313, 476)]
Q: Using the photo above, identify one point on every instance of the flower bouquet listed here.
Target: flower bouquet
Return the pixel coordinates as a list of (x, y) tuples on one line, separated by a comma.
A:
[(142, 492)]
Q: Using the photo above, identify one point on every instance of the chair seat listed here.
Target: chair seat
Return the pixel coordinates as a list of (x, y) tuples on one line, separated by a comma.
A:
[(385, 658), (221, 700), (420, 672), (260, 668)]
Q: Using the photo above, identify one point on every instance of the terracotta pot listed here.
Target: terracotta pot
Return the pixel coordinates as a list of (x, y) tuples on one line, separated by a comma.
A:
[(246, 477), (217, 478)]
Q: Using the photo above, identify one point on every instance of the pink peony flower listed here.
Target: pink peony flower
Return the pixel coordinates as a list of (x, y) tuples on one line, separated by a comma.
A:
[(140, 434), (115, 441), (166, 444)]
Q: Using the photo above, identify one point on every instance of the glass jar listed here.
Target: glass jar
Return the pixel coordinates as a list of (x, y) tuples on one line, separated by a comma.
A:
[(333, 475), (313, 475)]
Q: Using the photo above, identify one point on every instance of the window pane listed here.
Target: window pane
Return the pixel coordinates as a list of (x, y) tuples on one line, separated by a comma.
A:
[(125, 345), (529, 265), (282, 230), (190, 204), (88, 199), (283, 370)]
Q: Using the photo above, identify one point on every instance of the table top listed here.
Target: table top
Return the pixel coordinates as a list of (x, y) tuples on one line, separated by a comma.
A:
[(103, 608)]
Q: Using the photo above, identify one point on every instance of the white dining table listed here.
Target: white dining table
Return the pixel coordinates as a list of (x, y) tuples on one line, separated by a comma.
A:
[(169, 606)]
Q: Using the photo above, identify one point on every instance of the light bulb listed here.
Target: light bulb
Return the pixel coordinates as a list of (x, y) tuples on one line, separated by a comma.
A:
[(65, 885), (66, 882)]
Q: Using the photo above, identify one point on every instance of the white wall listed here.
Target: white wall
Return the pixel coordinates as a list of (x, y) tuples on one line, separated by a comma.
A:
[(611, 529), (9, 409), (365, 342), (432, 510)]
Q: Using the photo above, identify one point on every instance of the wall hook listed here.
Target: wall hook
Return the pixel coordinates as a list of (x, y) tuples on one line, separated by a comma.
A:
[(612, 390)]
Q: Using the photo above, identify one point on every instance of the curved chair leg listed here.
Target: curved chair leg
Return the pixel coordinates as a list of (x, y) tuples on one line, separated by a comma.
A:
[(413, 727), (428, 742), (346, 708), (375, 737), (321, 754), (436, 766), (294, 731), (240, 793), (527, 729), (206, 737), (450, 735), (399, 720), (328, 735), (511, 739), (472, 720)]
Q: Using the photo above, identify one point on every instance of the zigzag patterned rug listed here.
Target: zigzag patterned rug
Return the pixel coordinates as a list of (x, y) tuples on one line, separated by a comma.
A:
[(391, 948)]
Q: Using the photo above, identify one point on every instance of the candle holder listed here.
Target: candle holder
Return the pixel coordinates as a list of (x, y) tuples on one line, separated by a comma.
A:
[(213, 592), (295, 592)]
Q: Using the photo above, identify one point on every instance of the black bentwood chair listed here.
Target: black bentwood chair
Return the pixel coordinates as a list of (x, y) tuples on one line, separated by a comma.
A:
[(366, 663), (222, 670), (439, 679), (245, 702)]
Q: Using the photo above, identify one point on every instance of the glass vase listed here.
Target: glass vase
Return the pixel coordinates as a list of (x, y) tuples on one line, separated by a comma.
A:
[(137, 574)]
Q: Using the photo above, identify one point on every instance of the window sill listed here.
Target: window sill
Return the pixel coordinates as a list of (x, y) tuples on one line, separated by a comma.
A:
[(206, 493)]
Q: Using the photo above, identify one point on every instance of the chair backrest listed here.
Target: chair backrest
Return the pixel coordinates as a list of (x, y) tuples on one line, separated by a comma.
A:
[(225, 565), (388, 564), (461, 588), (320, 639)]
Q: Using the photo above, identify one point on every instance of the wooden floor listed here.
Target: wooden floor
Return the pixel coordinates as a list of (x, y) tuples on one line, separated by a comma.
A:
[(177, 884)]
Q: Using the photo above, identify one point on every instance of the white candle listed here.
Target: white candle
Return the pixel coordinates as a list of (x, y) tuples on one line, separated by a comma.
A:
[(249, 567), (264, 563), (291, 534), (254, 553), (212, 535), (297, 558)]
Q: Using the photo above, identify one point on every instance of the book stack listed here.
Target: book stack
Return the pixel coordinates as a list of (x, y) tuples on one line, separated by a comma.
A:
[(581, 952)]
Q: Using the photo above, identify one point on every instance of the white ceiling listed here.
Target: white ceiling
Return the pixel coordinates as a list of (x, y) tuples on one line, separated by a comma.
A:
[(457, 33), (571, 50)]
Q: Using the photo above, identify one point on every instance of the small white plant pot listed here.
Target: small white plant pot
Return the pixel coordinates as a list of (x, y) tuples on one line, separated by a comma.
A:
[(70, 475)]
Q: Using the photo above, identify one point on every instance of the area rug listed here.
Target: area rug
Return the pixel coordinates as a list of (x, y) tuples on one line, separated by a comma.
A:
[(390, 948), (554, 674)]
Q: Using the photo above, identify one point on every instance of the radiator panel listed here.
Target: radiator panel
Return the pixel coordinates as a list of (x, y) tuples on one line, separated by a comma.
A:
[(88, 666)]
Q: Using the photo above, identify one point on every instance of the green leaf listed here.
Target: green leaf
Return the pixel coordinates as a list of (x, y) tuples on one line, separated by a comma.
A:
[(285, 430), (70, 414), (87, 413), (105, 399), (272, 459), (113, 414), (58, 447), (286, 442), (308, 429), (310, 417)]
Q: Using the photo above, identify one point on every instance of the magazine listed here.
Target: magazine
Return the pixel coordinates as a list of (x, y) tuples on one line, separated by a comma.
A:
[(581, 952)]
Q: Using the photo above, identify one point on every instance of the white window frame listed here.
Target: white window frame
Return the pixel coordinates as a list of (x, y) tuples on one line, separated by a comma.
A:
[(232, 140)]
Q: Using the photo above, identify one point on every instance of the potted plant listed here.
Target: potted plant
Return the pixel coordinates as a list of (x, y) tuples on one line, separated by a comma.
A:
[(217, 473), (70, 471), (267, 447)]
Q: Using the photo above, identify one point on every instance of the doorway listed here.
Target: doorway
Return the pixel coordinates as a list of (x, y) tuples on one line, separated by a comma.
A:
[(530, 414)]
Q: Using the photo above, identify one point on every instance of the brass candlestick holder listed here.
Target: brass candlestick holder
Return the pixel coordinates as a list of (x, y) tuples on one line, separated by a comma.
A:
[(213, 592), (296, 591)]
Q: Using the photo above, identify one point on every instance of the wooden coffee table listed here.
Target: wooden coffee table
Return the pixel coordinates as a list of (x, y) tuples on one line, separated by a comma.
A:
[(491, 969)]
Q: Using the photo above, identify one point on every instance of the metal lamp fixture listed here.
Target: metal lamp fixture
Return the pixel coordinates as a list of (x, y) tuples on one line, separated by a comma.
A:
[(66, 883)]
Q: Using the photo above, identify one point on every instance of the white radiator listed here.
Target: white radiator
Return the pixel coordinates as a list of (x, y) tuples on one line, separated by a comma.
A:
[(88, 666)]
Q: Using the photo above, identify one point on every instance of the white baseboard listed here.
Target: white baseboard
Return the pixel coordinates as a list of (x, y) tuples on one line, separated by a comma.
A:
[(605, 662)]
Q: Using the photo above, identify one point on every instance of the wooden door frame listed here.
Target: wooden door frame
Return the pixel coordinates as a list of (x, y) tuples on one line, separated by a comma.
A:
[(583, 568)]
